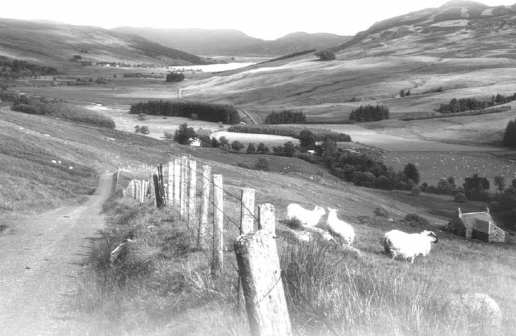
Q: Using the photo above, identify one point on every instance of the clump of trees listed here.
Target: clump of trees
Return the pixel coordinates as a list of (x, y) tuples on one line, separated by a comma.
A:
[(175, 77), (19, 69), (326, 55), (509, 137), (286, 117), (226, 114), (369, 113), (468, 104)]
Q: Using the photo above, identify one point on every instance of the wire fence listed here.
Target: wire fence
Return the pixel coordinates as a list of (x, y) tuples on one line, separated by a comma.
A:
[(175, 185)]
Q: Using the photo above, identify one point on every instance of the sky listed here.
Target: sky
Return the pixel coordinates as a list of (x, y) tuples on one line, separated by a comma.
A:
[(265, 19)]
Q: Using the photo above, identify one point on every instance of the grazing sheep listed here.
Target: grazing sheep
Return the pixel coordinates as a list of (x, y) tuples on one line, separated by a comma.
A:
[(408, 245), (339, 227), (306, 217)]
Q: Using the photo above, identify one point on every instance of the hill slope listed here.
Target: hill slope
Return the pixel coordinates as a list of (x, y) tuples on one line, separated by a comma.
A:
[(233, 42), (56, 44), (457, 29)]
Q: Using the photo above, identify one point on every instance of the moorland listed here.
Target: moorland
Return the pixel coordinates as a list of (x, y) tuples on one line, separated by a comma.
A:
[(171, 291)]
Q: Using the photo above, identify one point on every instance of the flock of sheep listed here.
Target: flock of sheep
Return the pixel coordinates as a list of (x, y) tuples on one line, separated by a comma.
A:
[(396, 243)]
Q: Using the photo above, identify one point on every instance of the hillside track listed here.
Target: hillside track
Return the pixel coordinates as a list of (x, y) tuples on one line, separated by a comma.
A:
[(40, 259)]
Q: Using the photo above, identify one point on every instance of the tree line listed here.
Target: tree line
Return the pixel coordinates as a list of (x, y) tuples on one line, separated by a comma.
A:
[(366, 113), (286, 117), (226, 114), (468, 104), (61, 110), (19, 69)]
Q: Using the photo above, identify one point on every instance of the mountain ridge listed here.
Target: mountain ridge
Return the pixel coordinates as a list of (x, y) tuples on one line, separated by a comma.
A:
[(232, 42)]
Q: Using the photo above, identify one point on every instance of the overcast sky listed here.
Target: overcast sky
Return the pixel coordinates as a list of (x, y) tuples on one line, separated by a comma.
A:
[(266, 19)]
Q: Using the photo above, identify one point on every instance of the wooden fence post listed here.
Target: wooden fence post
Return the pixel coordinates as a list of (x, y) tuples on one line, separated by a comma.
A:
[(247, 211), (137, 190), (177, 182), (267, 218), (218, 226), (192, 192), (170, 183), (259, 269), (131, 189), (184, 185), (205, 202)]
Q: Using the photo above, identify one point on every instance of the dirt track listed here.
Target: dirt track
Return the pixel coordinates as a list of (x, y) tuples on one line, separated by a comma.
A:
[(40, 259)]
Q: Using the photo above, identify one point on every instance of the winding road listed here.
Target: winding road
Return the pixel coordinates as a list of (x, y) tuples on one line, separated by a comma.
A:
[(40, 260)]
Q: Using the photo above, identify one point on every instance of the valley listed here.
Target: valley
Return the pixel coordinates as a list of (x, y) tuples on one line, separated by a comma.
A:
[(50, 168)]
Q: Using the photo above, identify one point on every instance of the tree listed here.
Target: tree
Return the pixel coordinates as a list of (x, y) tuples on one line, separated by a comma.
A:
[(475, 186), (145, 130), (262, 149), (223, 141), (250, 148), (306, 139), (237, 146), (137, 129), (183, 134), (215, 142), (499, 182), (411, 172), (289, 149), (329, 147), (509, 137)]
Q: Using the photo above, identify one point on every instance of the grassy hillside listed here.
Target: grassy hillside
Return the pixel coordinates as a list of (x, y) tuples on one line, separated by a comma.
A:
[(47, 162), (55, 44)]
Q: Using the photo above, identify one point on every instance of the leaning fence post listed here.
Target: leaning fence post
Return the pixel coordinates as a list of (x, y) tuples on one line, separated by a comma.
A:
[(177, 182), (184, 185), (192, 192), (259, 269), (218, 226), (205, 201), (267, 218)]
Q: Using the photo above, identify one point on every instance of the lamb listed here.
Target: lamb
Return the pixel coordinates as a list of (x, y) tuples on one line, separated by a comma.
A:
[(306, 217), (340, 228), (408, 245)]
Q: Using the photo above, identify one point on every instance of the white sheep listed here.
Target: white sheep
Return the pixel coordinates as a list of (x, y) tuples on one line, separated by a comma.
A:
[(306, 217), (339, 227), (408, 245)]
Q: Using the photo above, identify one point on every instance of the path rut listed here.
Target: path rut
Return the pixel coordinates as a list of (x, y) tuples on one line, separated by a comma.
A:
[(39, 263)]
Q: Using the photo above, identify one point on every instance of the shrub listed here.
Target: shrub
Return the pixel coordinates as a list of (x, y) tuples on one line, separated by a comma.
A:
[(250, 148), (262, 164), (145, 130), (137, 129), (415, 191), (417, 220), (325, 55)]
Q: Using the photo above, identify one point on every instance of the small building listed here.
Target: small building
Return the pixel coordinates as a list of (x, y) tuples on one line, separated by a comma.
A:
[(478, 225)]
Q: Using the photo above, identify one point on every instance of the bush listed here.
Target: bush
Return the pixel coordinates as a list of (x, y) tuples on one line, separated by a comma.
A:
[(250, 148), (145, 130), (415, 191), (262, 164), (415, 219)]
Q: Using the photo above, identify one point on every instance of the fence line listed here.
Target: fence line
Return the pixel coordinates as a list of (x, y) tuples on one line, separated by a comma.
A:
[(176, 187)]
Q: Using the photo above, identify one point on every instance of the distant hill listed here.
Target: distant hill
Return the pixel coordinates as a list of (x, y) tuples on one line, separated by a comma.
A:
[(463, 29), (225, 42), (55, 44)]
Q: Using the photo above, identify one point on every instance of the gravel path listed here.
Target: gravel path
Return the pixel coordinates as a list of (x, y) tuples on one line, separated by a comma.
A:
[(39, 262)]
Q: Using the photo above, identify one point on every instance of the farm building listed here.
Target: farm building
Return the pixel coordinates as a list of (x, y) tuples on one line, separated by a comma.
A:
[(479, 225)]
